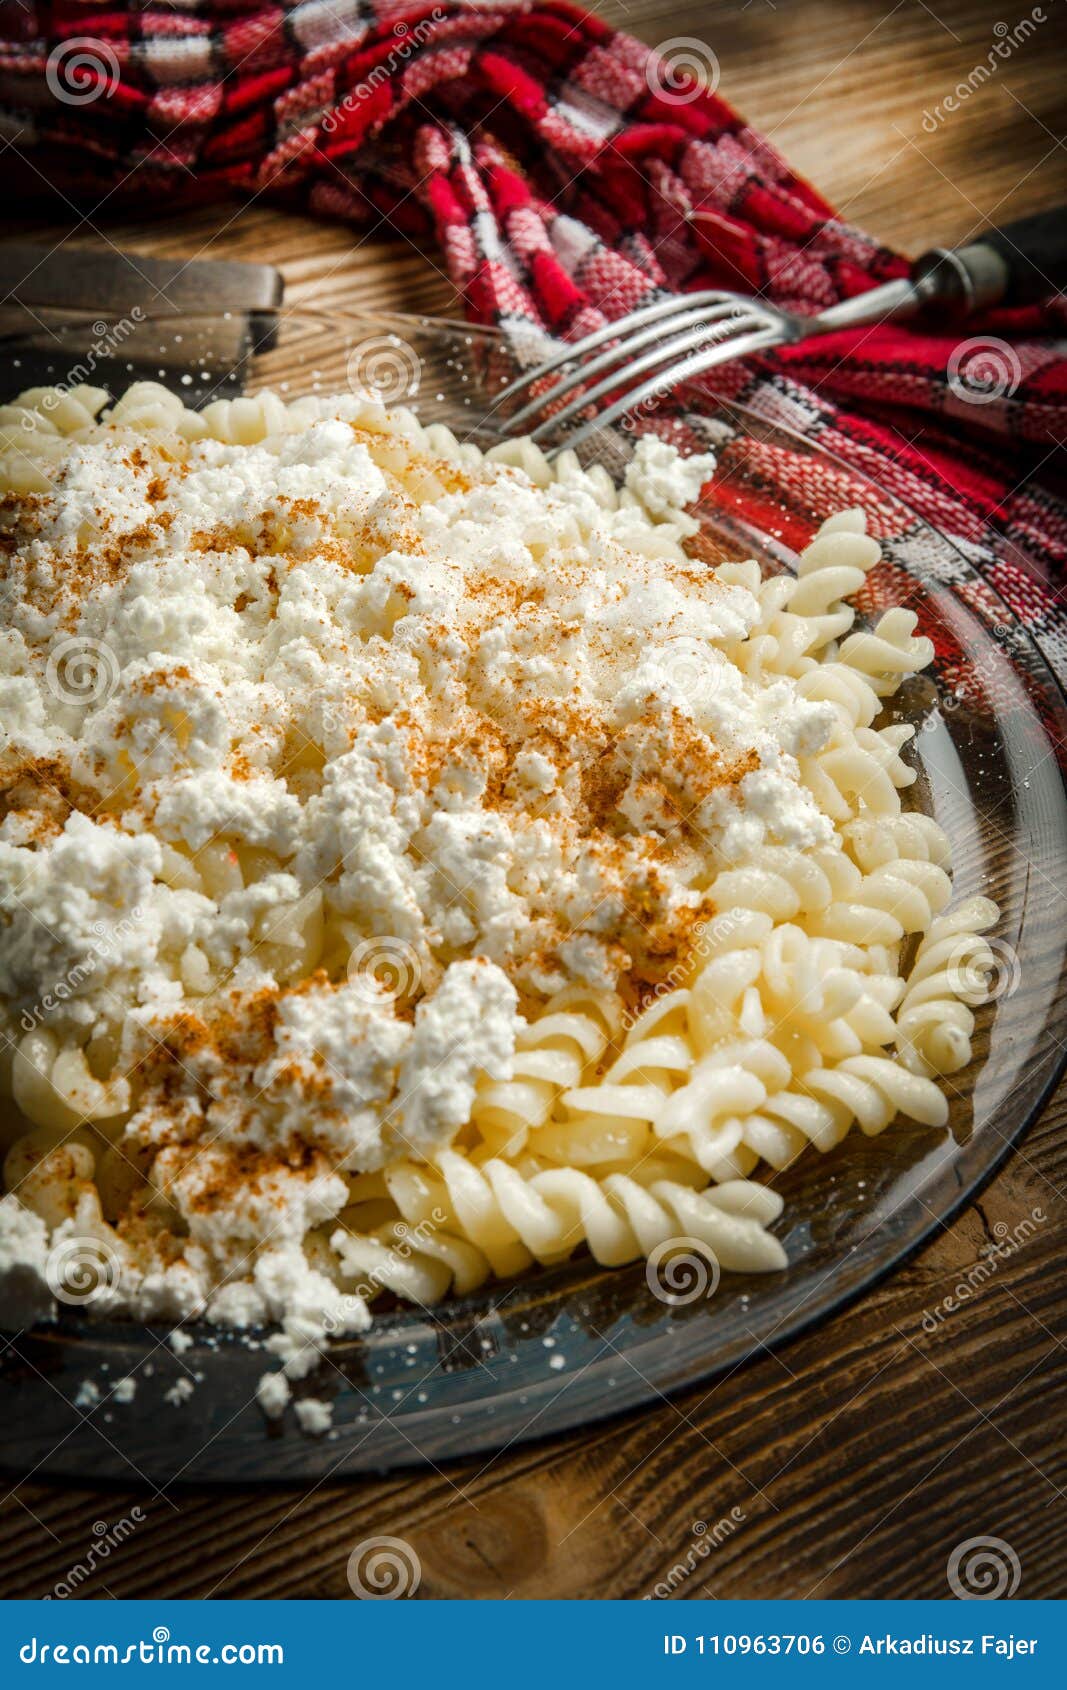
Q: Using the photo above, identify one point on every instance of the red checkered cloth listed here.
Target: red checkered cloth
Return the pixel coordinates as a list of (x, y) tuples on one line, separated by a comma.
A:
[(567, 172)]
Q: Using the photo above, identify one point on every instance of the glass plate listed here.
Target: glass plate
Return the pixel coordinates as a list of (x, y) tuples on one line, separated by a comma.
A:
[(573, 1344)]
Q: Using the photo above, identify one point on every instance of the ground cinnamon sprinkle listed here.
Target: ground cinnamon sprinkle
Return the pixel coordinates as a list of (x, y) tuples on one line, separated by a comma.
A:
[(42, 793)]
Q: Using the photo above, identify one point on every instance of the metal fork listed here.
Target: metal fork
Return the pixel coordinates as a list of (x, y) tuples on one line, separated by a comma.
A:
[(689, 334)]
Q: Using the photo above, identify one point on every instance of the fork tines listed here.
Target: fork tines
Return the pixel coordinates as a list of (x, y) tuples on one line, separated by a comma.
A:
[(685, 334)]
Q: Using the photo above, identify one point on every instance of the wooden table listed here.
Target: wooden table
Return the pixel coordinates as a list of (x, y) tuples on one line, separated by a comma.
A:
[(864, 1452)]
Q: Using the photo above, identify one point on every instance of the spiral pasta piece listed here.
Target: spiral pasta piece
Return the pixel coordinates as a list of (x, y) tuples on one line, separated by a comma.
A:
[(54, 1087), (709, 1110), (950, 974), (851, 694), (244, 421), (54, 410), (890, 652), (551, 1055), (896, 898), (788, 1122), (546, 1215), (51, 1176), (149, 408), (913, 837), (829, 570), (871, 1090)]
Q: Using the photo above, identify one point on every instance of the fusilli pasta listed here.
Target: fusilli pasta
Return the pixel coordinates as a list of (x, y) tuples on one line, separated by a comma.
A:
[(626, 1116)]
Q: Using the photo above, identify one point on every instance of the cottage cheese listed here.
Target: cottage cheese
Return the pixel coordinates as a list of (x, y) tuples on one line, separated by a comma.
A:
[(318, 783), (314, 1416)]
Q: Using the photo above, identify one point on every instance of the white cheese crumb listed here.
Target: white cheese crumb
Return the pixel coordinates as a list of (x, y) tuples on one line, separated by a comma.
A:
[(23, 1265), (664, 483), (315, 1416), (468, 1027), (273, 1393)]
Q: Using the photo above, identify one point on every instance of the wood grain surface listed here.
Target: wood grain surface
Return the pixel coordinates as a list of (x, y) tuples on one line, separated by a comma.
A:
[(852, 1462)]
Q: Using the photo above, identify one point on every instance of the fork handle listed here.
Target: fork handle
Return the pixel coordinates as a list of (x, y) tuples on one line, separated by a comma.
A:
[(1019, 264)]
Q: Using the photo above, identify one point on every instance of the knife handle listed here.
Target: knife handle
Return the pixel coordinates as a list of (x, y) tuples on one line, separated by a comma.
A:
[(1020, 264), (1035, 252)]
